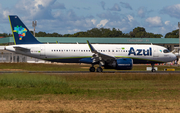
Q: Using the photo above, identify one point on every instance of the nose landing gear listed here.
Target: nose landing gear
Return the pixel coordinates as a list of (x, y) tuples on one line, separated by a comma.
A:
[(153, 70)]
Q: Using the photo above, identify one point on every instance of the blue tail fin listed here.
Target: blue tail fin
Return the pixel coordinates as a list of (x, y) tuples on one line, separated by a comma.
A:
[(20, 32)]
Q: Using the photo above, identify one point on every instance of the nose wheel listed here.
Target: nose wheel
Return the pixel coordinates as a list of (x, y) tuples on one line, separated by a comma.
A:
[(153, 70)]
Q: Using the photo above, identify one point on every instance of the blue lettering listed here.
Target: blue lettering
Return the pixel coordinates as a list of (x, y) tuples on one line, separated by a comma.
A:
[(146, 53), (140, 52), (150, 51), (131, 51)]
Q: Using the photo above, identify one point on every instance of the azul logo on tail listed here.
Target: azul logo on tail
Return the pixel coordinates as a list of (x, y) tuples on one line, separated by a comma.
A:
[(21, 31), (140, 52)]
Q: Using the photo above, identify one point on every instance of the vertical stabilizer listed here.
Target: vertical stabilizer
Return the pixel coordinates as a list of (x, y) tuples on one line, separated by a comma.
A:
[(20, 32)]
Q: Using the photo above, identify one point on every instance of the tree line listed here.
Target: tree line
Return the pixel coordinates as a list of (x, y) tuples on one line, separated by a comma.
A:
[(5, 35), (138, 32)]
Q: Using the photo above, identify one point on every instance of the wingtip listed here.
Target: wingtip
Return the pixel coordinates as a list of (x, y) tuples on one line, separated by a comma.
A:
[(87, 41)]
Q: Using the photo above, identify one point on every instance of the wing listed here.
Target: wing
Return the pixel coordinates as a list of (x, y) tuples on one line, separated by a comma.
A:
[(100, 57)]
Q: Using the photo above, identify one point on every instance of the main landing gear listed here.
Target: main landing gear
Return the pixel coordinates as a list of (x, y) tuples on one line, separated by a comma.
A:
[(153, 70), (92, 69)]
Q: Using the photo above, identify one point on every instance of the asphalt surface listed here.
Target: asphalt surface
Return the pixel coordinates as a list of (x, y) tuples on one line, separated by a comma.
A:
[(59, 72)]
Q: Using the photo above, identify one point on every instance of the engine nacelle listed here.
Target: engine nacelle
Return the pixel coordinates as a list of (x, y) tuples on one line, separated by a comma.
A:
[(124, 64), (120, 64), (86, 60)]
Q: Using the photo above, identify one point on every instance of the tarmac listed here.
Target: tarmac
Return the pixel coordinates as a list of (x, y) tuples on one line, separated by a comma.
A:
[(71, 72)]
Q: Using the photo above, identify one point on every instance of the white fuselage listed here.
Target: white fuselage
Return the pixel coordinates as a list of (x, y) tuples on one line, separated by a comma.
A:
[(73, 52)]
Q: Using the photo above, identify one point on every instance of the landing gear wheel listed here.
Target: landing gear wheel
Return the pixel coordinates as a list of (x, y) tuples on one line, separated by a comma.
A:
[(99, 69), (92, 69), (153, 70)]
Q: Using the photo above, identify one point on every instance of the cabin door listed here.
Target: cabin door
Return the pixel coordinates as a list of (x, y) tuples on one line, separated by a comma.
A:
[(42, 51), (155, 52)]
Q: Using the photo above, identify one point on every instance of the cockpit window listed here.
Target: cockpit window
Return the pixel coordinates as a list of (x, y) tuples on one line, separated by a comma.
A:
[(166, 51)]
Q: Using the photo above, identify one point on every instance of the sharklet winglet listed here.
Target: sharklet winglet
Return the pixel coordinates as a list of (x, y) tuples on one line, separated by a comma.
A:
[(91, 47)]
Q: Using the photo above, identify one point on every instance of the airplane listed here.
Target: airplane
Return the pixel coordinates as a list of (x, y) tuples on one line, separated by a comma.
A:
[(109, 56)]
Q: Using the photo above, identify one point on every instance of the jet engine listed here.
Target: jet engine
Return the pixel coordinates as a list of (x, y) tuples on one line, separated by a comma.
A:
[(120, 64)]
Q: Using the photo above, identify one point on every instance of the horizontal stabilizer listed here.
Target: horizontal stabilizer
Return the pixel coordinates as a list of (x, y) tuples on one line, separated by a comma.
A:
[(19, 48)]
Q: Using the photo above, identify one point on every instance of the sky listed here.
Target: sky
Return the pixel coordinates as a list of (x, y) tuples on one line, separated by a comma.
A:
[(71, 16)]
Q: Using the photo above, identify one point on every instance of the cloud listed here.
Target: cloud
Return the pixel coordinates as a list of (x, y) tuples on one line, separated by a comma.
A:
[(109, 16), (86, 8), (36, 9), (154, 21), (142, 12), (130, 18), (102, 23), (51, 15), (173, 11), (167, 27), (167, 22), (123, 22), (93, 21), (58, 5), (126, 5), (115, 7), (103, 4), (74, 30)]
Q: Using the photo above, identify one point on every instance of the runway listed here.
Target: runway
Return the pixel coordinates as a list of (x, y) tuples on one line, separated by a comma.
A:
[(71, 72)]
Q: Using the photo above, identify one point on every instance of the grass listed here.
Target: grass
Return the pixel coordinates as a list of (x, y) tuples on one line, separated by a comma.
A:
[(71, 67), (128, 86), (40, 67), (25, 85), (88, 86), (89, 92)]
